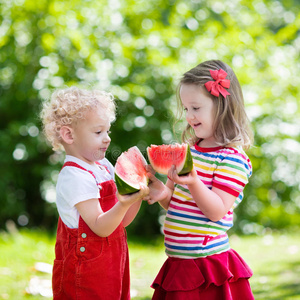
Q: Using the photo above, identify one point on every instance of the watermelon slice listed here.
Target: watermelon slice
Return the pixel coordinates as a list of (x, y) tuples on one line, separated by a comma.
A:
[(164, 156), (130, 171)]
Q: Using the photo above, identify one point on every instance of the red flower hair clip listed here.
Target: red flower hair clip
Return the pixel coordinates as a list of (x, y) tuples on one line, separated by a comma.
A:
[(218, 86)]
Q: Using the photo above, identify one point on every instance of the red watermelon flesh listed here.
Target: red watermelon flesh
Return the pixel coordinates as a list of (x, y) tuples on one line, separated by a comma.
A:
[(130, 171), (162, 158)]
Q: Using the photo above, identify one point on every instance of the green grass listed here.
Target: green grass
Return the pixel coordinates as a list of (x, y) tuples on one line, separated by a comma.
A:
[(275, 260), (18, 254)]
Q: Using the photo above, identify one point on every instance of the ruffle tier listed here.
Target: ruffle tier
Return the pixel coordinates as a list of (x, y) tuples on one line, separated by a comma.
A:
[(219, 270)]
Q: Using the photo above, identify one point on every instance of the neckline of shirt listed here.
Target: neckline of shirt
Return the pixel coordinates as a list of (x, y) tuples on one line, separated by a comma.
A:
[(207, 149)]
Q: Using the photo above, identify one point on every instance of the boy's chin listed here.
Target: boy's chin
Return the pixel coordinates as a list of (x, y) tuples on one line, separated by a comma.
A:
[(98, 156)]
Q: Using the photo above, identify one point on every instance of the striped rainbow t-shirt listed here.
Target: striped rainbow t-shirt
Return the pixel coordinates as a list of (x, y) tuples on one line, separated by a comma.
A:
[(188, 232)]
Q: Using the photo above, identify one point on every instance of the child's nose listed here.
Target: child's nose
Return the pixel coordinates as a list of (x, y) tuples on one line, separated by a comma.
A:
[(107, 138), (190, 115)]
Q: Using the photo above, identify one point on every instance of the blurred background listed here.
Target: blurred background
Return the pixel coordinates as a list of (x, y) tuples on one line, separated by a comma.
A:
[(138, 50)]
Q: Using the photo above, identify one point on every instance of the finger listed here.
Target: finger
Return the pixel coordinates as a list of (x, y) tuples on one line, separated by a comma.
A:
[(150, 169), (193, 172), (172, 173), (152, 177), (144, 190)]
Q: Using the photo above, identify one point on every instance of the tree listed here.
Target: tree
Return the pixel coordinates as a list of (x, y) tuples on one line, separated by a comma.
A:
[(138, 51)]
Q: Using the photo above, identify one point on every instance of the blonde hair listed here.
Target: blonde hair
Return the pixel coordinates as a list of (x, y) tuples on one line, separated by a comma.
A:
[(68, 106), (231, 126)]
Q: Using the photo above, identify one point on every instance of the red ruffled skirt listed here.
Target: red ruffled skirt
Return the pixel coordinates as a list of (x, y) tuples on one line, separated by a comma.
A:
[(221, 276)]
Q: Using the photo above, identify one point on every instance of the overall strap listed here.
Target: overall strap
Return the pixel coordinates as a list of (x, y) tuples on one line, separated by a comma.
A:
[(97, 163), (73, 164)]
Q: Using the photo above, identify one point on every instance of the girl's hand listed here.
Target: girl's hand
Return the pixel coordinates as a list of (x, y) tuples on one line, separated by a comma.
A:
[(188, 179), (132, 198), (149, 169), (157, 190)]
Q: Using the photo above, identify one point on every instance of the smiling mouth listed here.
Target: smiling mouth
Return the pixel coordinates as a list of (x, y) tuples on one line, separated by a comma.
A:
[(196, 125)]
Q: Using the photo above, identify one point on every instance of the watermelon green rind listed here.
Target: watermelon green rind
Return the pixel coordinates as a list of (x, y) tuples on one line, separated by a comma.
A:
[(123, 187), (188, 164)]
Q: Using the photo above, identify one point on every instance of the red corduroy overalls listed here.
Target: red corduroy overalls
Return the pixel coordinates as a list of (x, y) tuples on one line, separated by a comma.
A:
[(87, 266)]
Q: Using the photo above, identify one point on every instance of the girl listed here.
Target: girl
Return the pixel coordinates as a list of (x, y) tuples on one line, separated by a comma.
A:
[(91, 253), (201, 264)]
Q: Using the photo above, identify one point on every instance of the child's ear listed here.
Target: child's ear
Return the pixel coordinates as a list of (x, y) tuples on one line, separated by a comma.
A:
[(66, 134)]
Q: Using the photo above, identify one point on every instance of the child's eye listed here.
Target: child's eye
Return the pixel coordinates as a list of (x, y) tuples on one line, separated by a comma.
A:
[(99, 132), (196, 108)]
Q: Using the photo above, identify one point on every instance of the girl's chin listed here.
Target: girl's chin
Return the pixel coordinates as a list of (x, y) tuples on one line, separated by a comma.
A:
[(199, 135)]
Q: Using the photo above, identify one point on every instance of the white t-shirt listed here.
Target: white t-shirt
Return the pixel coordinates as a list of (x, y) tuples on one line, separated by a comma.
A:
[(75, 185)]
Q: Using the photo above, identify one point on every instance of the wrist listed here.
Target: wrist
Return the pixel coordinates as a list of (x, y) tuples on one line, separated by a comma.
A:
[(195, 183), (166, 194), (123, 204)]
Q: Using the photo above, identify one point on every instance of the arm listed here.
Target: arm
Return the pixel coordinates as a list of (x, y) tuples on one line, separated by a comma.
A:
[(104, 223), (131, 213), (214, 203)]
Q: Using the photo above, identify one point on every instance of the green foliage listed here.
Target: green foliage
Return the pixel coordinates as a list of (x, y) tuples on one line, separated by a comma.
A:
[(138, 51)]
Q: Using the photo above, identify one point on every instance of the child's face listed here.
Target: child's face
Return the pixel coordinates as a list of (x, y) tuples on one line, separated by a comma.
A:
[(200, 112), (91, 136)]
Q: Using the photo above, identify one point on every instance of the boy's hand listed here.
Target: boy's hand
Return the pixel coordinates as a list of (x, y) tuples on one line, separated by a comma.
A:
[(132, 198)]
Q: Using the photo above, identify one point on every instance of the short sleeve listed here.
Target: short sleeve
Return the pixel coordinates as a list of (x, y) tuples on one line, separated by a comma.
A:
[(76, 185), (232, 173)]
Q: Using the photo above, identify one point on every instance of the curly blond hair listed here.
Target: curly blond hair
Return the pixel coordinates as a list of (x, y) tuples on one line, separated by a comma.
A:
[(67, 106)]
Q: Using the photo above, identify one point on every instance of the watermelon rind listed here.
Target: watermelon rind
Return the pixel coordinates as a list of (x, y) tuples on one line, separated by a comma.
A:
[(134, 165), (182, 169), (123, 187), (188, 164)]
